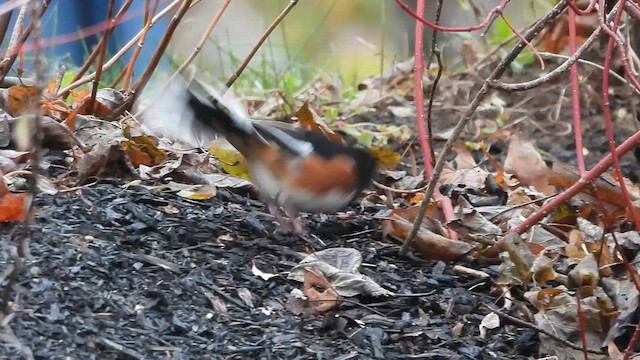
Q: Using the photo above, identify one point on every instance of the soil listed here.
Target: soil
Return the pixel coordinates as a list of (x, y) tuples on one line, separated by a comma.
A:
[(131, 273)]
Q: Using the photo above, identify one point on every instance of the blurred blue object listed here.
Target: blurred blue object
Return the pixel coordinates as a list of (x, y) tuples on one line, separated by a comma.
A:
[(67, 18)]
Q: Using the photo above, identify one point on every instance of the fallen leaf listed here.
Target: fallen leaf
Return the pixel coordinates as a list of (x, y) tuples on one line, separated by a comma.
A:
[(109, 103), (527, 165), (231, 161), (259, 273), (105, 161), (340, 266), (198, 192), (584, 274), (14, 206), (430, 244), (22, 99), (489, 322), (321, 297), (309, 120), (387, 157)]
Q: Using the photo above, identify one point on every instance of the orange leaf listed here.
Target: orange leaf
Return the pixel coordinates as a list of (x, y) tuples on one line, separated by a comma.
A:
[(309, 120), (22, 99), (430, 244), (79, 96), (13, 207)]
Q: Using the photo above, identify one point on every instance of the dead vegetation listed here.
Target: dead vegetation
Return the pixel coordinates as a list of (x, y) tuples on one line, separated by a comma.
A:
[(504, 221)]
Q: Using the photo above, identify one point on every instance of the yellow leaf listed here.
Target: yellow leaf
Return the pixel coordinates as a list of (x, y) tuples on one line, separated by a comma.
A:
[(202, 192), (386, 156), (230, 159)]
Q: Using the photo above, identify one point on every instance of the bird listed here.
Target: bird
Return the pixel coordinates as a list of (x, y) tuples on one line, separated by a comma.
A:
[(293, 168)]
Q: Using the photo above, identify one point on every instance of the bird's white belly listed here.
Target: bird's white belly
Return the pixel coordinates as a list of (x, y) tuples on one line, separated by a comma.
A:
[(293, 199)]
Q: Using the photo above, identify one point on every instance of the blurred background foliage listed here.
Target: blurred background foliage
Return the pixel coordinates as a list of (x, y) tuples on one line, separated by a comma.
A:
[(348, 40)]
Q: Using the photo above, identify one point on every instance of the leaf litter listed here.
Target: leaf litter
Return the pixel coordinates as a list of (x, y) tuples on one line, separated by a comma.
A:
[(155, 243)]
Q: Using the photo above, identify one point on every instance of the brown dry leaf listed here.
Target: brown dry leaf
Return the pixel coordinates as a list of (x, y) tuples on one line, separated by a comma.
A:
[(561, 318), (417, 198), (54, 135), (198, 192), (542, 269), (4, 189), (541, 299), (57, 108), (468, 222), (311, 121), (22, 99), (575, 249), (13, 206), (466, 171), (430, 244), (105, 161), (584, 274), (608, 190), (136, 154), (79, 95), (142, 149), (527, 165), (320, 296), (109, 103), (409, 183)]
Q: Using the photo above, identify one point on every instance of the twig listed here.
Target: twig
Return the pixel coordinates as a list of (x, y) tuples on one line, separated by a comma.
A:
[(487, 21), (164, 42), (575, 95), (496, 74), (434, 52), (5, 19), (17, 29), (8, 61), (121, 52), (590, 175), (591, 63), (245, 62), (527, 85), (203, 38), (87, 64), (128, 73), (37, 136), (101, 53)]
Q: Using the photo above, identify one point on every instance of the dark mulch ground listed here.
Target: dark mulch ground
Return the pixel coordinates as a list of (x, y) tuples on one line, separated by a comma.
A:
[(88, 287), (90, 292)]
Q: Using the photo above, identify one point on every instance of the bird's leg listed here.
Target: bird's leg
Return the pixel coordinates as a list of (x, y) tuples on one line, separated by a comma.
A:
[(296, 223), (273, 209)]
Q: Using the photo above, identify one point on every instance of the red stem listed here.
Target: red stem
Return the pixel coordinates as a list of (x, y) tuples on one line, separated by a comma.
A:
[(575, 95), (574, 189), (490, 16)]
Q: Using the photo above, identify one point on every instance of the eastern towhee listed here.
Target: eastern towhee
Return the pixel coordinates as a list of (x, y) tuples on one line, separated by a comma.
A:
[(297, 169)]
